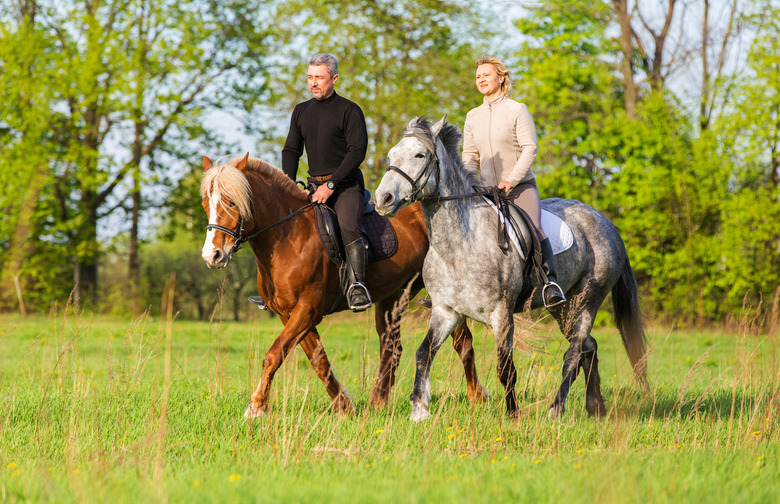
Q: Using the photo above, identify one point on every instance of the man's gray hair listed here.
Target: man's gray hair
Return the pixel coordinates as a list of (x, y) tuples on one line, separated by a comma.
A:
[(326, 59)]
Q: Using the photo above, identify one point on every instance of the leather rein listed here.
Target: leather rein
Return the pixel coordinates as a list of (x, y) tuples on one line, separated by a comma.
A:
[(238, 232)]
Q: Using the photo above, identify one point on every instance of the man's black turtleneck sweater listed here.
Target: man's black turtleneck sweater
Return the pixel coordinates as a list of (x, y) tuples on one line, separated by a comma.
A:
[(333, 131)]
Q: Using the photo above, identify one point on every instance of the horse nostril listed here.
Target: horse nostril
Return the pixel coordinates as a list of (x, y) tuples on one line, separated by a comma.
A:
[(217, 256), (387, 199)]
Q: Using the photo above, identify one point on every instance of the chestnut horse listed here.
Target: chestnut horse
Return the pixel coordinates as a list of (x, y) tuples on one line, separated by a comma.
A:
[(247, 200)]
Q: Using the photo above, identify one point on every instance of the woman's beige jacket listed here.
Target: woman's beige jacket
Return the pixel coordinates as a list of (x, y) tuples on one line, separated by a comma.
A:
[(499, 141)]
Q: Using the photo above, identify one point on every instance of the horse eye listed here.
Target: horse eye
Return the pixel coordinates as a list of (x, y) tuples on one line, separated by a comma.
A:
[(420, 156), (231, 205)]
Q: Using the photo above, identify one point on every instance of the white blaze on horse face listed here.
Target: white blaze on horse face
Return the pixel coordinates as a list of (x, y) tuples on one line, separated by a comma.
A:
[(208, 247)]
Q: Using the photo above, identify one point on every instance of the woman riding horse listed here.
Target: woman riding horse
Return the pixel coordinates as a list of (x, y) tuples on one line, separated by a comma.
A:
[(499, 140)]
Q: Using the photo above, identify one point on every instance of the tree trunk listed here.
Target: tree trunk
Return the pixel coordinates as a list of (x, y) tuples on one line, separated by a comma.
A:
[(620, 8), (704, 120), (87, 241), (19, 247), (133, 269)]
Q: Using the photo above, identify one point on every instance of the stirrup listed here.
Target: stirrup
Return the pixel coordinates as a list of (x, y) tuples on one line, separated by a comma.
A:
[(259, 302), (358, 307), (544, 295)]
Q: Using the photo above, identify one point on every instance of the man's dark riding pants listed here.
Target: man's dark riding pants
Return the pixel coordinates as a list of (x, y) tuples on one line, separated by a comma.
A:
[(348, 204)]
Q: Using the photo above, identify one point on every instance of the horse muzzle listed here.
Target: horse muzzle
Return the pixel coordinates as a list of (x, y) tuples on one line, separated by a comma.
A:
[(216, 258), (388, 204)]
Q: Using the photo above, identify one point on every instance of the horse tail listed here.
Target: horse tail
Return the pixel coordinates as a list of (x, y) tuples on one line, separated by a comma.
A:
[(625, 301)]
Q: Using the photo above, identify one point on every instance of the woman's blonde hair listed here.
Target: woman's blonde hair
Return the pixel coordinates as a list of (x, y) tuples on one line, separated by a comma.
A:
[(500, 70)]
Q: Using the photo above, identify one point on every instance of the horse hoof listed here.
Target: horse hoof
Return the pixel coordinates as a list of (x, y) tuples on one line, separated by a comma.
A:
[(344, 407), (596, 411), (480, 396), (377, 403), (253, 411), (419, 414), (556, 412)]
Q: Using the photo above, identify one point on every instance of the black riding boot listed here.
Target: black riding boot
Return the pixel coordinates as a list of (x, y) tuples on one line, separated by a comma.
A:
[(552, 294), (259, 302), (357, 295)]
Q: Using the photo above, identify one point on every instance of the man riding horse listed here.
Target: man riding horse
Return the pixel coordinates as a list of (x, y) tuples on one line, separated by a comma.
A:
[(332, 129)]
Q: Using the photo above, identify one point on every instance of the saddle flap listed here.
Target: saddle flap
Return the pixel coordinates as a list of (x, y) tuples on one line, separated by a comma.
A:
[(520, 223), (329, 232)]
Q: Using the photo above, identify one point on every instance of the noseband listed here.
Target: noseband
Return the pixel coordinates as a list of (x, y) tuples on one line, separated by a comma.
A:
[(237, 234)]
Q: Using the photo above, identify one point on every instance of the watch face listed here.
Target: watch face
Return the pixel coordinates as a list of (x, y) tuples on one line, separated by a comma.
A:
[(331, 185)]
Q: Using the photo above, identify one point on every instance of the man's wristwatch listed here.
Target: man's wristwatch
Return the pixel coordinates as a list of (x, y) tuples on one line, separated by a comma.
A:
[(330, 185)]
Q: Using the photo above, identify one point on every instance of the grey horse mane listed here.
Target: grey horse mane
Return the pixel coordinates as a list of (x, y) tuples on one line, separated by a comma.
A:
[(421, 129)]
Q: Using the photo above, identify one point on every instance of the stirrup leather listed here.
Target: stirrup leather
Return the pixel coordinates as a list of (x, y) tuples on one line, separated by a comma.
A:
[(544, 295), (352, 287)]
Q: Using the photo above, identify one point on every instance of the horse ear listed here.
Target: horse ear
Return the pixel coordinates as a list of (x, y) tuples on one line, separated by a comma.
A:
[(207, 163), (436, 128), (241, 165), (413, 123)]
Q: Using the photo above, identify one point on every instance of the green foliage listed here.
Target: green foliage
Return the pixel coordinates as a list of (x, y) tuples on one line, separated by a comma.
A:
[(97, 108), (202, 291), (104, 105), (697, 209), (570, 87)]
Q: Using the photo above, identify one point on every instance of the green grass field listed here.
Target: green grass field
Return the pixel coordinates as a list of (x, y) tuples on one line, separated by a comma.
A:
[(100, 409)]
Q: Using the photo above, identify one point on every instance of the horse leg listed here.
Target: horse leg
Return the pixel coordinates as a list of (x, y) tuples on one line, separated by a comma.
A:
[(576, 323), (594, 402), (503, 325), (571, 365), (315, 351), (462, 342), (301, 322), (443, 322), (387, 317)]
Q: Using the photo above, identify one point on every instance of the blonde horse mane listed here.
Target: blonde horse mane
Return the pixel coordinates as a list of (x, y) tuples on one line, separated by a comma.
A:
[(233, 185)]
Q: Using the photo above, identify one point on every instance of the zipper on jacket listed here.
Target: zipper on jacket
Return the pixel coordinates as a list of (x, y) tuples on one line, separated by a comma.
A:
[(490, 143)]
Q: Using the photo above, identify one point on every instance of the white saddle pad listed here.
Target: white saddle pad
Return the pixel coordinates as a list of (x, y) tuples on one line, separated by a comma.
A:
[(559, 233)]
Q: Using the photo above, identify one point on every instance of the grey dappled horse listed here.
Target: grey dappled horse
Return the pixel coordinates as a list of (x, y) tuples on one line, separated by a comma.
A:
[(468, 274)]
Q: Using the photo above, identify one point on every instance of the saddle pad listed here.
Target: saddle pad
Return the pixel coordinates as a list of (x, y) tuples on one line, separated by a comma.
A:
[(377, 230), (559, 233), (382, 240)]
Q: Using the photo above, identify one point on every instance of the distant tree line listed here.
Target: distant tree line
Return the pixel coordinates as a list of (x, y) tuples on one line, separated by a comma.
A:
[(664, 117)]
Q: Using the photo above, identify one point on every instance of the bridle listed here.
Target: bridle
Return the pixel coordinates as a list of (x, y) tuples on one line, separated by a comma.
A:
[(427, 171), (238, 232)]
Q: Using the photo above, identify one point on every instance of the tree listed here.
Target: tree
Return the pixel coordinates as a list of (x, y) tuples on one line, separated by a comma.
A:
[(748, 134), (28, 76), (650, 162), (397, 60), (135, 80), (567, 78)]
